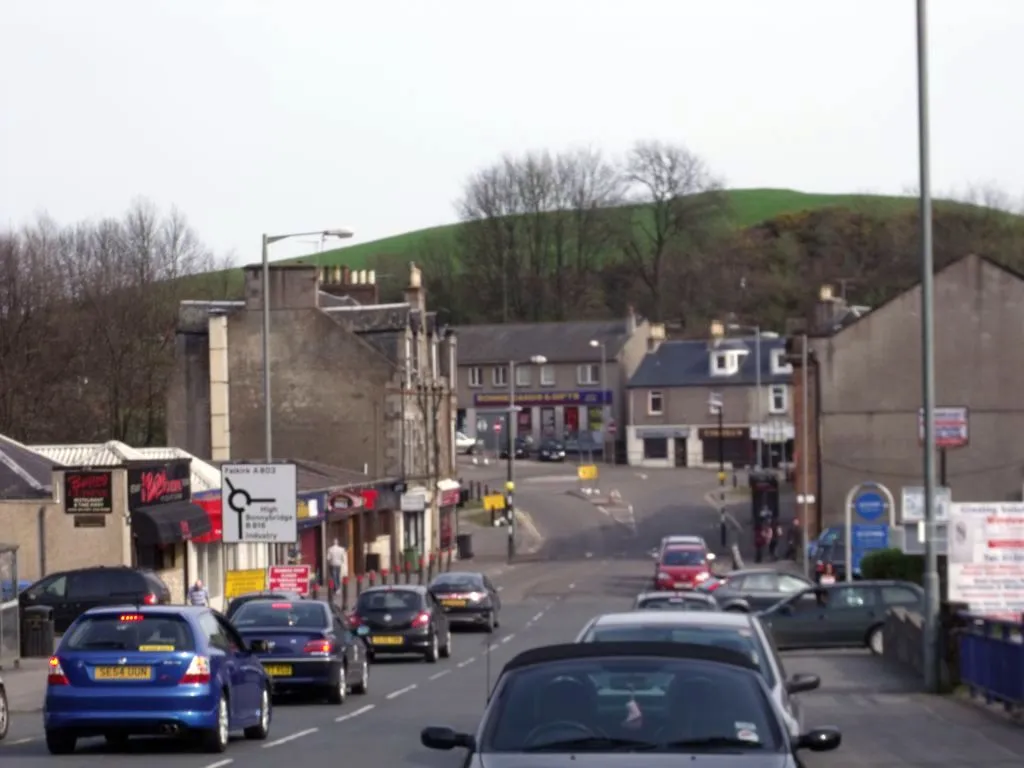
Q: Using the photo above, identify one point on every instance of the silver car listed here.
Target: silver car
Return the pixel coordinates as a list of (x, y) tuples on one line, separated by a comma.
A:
[(732, 631)]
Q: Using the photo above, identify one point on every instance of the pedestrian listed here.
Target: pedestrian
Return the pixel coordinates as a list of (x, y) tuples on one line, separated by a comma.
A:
[(760, 542), (795, 540), (776, 538), (337, 563), (198, 594)]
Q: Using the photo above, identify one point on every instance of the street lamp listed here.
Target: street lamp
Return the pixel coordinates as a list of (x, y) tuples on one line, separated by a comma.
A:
[(756, 329), (604, 407), (269, 240), (510, 482)]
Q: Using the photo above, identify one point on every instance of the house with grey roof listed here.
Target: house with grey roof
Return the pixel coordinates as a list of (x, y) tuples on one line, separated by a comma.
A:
[(676, 393), (566, 379)]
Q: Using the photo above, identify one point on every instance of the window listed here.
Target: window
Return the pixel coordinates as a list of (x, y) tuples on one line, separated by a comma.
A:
[(267, 613), (724, 363), (117, 632), (499, 376), (840, 598), (779, 364), (779, 399), (899, 596), (790, 584), (547, 375), (655, 404), (761, 582), (588, 374), (102, 583), (655, 447), (522, 376), (476, 377), (721, 361), (215, 635)]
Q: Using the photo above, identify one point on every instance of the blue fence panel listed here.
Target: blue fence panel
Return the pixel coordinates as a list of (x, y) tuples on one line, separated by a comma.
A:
[(992, 659)]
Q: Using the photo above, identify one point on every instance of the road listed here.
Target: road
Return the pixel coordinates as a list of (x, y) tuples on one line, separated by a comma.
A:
[(588, 565)]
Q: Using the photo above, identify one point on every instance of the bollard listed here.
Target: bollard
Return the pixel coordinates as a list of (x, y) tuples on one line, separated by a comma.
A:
[(431, 564), (408, 571), (448, 562), (384, 576), (421, 573), (371, 579), (359, 585), (344, 591)]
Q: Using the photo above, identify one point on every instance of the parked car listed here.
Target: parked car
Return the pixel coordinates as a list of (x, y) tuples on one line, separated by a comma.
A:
[(754, 589), (72, 593), (522, 448), (310, 647), (240, 600), (551, 450), (465, 444), (675, 601), (467, 598), (690, 704), (5, 711), (839, 616), (168, 670), (741, 633), (404, 619)]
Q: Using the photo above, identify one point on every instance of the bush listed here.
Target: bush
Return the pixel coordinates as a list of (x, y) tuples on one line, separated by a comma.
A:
[(894, 564)]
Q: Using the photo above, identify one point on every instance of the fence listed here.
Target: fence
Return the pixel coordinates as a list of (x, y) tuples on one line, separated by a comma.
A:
[(10, 642), (992, 660)]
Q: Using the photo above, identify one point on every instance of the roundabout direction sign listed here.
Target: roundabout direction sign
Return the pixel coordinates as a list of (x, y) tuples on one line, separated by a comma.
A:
[(870, 502)]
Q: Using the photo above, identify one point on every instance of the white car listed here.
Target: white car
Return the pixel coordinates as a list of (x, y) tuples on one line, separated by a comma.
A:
[(733, 631), (466, 444)]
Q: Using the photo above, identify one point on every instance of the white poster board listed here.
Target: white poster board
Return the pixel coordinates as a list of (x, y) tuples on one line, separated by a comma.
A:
[(986, 557), (912, 506)]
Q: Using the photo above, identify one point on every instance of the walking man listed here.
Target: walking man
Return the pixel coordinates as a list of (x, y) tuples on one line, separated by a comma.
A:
[(198, 594), (337, 562)]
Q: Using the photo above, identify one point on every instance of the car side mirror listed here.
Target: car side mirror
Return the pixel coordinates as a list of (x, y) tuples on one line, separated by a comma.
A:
[(258, 646), (802, 683), (444, 738), (820, 739)]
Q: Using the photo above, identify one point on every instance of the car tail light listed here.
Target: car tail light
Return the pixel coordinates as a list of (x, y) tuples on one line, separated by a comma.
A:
[(819, 567), (150, 599), (421, 620), (318, 647), (55, 674), (198, 671), (354, 619)]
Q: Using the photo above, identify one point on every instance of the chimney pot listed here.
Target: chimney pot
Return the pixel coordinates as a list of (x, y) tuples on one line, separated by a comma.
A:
[(717, 329), (825, 293), (337, 274), (371, 277), (415, 276)]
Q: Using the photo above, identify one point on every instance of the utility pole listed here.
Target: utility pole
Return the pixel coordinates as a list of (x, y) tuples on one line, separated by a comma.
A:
[(805, 443), (716, 405), (510, 483)]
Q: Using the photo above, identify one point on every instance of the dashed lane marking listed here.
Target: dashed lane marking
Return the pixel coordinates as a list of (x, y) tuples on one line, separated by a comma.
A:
[(219, 763), (440, 674), (20, 741), (507, 638), (537, 616), (492, 647), (290, 737), (400, 691), (357, 713), (466, 663), (572, 586)]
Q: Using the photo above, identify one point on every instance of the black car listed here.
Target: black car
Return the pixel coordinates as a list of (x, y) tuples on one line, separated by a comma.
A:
[(551, 450), (5, 711), (72, 593), (238, 602), (467, 598), (310, 647), (753, 589), (402, 619), (674, 601), (522, 448)]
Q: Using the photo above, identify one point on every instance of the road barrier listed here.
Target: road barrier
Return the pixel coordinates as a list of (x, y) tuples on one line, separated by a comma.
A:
[(992, 660)]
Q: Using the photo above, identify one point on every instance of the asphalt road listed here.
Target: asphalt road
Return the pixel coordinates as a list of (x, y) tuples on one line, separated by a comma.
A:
[(590, 564)]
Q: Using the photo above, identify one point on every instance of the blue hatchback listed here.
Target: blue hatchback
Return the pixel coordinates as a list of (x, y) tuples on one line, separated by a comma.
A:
[(155, 670)]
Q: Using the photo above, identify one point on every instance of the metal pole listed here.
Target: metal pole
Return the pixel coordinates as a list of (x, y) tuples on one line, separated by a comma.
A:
[(757, 386), (604, 406), (723, 532), (805, 441), (510, 467), (268, 432), (931, 564)]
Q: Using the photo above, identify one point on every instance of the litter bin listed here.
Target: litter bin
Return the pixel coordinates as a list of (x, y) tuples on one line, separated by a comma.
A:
[(372, 562), (37, 632), (464, 543)]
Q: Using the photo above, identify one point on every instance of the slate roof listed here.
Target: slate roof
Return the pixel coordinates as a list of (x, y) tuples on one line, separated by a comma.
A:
[(558, 342), (24, 474), (113, 453), (688, 364)]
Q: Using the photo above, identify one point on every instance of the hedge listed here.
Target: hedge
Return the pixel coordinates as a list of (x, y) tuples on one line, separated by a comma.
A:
[(894, 564)]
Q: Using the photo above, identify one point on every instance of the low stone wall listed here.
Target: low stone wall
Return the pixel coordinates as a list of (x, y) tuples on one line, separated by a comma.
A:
[(903, 645)]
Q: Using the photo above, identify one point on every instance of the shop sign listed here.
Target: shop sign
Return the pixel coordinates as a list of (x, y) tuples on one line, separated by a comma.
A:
[(530, 399), (414, 502), (369, 497), (154, 484), (88, 493), (450, 497), (725, 433), (341, 501)]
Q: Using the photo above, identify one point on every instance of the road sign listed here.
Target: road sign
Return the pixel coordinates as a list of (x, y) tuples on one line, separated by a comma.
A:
[(497, 426), (715, 402), (950, 427), (869, 505), (913, 504), (259, 503), (481, 425), (611, 427), (866, 538), (587, 472), (289, 578)]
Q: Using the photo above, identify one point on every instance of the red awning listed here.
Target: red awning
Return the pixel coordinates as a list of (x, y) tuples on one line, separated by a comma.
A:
[(212, 507)]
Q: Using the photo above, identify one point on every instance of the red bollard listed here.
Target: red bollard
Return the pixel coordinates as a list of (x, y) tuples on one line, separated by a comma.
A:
[(383, 575), (371, 579), (408, 571), (430, 566), (344, 592), (422, 571)]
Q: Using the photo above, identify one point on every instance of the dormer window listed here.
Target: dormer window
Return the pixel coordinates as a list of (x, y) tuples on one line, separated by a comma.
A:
[(721, 361), (724, 363), (780, 367)]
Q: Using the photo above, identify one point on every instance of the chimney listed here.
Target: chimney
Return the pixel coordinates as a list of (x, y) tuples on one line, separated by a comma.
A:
[(414, 293), (656, 337), (631, 321), (827, 310), (325, 275), (346, 275), (292, 286), (337, 274), (371, 277)]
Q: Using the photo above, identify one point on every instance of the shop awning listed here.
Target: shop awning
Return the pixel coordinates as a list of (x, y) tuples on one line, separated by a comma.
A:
[(169, 523)]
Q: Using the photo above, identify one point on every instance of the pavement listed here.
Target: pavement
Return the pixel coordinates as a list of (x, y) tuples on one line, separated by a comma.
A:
[(588, 563)]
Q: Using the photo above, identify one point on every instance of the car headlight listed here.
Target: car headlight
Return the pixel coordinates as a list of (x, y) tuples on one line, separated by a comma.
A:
[(700, 577), (664, 577)]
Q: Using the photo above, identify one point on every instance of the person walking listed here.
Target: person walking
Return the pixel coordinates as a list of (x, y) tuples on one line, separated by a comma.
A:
[(337, 563), (198, 594)]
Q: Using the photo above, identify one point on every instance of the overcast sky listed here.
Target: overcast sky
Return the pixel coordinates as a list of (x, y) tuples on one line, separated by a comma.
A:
[(285, 115)]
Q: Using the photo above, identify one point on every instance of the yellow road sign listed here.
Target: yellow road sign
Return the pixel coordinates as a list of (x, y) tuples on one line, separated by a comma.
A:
[(242, 582), (587, 471), (494, 502)]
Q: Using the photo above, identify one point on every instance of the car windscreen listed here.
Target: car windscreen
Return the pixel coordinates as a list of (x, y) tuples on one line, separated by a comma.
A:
[(675, 604), (683, 557), (461, 582), (553, 707), (268, 613), (397, 600), (551, 445), (130, 632), (740, 639)]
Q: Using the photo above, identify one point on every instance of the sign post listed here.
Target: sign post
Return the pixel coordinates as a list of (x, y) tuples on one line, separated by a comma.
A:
[(870, 501), (951, 430)]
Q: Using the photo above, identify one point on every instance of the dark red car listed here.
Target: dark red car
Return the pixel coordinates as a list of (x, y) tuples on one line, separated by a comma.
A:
[(682, 567)]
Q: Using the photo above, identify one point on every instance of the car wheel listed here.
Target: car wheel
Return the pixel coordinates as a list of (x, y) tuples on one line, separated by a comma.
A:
[(216, 739), (60, 743), (446, 649), (432, 654), (876, 641), (5, 719), (363, 686), (339, 692), (261, 730)]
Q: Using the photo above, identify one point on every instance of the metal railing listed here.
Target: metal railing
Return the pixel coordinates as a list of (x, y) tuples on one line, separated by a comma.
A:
[(992, 659)]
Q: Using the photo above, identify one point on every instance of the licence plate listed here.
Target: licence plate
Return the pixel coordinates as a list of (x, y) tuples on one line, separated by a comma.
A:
[(278, 670), (454, 603), (124, 673), (386, 640), (682, 585)]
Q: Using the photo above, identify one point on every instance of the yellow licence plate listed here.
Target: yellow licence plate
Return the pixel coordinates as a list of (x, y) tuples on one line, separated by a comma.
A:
[(385, 640), (278, 670), (454, 603), (124, 673)]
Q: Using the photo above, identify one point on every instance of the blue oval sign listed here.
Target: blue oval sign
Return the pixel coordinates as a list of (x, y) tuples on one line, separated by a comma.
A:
[(869, 505)]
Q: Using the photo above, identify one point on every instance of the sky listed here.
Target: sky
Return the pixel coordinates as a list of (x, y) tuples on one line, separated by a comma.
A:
[(282, 116)]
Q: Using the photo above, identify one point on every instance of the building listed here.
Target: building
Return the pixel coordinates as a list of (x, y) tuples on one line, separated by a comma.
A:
[(673, 420), (354, 384), (564, 395), (864, 382)]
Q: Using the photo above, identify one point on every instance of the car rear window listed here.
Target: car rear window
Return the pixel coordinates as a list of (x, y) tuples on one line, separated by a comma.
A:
[(461, 581), (674, 604), (268, 613), (131, 632), (683, 557), (398, 600)]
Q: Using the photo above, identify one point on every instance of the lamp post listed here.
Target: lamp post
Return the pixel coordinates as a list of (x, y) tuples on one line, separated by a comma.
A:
[(757, 383), (715, 401), (604, 406), (269, 240), (510, 479)]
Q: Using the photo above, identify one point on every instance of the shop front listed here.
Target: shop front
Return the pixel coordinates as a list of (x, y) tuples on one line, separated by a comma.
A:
[(732, 444), (658, 446), (448, 515), (574, 415), (164, 519), (311, 544), (414, 531)]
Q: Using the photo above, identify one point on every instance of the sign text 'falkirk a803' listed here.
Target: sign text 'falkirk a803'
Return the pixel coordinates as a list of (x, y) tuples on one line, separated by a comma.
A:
[(259, 503)]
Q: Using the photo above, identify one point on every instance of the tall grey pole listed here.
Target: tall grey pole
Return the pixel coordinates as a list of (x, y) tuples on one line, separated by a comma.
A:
[(805, 442), (511, 477), (931, 560), (757, 386), (604, 406), (268, 431)]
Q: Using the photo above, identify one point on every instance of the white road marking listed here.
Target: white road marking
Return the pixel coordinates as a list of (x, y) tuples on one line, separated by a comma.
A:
[(641, 475), (507, 638), (492, 647), (537, 616), (400, 691), (30, 739), (466, 663), (218, 764), (291, 737), (572, 586), (500, 588), (349, 716), (602, 509), (440, 674)]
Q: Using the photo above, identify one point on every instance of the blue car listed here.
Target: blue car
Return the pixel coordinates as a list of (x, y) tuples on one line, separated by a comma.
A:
[(155, 670)]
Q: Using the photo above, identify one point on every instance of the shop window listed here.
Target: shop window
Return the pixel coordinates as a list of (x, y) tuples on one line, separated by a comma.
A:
[(655, 447), (155, 558)]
